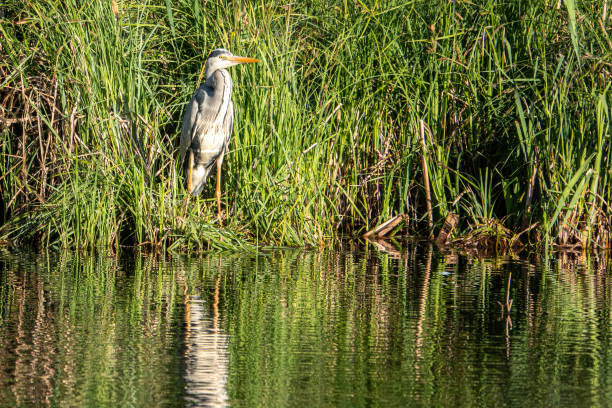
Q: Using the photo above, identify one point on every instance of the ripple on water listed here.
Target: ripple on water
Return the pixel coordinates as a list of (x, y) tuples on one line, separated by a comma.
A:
[(303, 328)]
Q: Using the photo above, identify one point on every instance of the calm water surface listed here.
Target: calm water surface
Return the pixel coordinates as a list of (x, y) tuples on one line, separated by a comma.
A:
[(295, 328)]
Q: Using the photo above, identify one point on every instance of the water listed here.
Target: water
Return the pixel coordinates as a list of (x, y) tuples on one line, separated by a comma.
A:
[(295, 328)]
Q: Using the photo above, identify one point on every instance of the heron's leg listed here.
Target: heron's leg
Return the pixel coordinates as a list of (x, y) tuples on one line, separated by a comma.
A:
[(218, 188), (189, 171)]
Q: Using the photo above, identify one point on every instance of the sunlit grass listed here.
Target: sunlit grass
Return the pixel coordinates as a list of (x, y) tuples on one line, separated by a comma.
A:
[(326, 139)]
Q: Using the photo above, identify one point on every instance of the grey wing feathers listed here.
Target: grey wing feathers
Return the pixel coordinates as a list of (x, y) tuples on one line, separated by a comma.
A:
[(229, 124), (199, 118), (189, 119)]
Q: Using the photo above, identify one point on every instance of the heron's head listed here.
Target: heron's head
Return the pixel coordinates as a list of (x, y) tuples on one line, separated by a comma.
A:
[(222, 58)]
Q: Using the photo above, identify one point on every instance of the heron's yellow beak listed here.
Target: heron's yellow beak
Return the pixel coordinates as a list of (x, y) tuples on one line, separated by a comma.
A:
[(241, 60)]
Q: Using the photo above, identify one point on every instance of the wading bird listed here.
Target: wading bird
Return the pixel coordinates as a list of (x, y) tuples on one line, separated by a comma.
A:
[(208, 123)]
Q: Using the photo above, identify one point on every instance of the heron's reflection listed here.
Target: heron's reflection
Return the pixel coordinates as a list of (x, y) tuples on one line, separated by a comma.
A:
[(205, 353)]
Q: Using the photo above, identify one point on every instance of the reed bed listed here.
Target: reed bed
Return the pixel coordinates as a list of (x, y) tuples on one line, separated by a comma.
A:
[(359, 111)]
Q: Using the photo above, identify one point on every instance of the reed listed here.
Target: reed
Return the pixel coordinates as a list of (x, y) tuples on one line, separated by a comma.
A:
[(513, 97)]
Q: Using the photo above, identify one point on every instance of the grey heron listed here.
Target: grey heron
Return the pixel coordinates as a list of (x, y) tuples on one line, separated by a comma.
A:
[(208, 123)]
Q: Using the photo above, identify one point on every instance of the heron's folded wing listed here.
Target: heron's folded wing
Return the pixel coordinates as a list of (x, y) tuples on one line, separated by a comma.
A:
[(228, 124), (200, 119), (189, 119)]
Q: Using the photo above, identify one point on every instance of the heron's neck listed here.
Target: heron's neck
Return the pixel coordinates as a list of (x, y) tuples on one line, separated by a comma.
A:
[(219, 79)]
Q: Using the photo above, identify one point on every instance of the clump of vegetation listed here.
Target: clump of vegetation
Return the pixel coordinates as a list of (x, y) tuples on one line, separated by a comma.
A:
[(502, 107)]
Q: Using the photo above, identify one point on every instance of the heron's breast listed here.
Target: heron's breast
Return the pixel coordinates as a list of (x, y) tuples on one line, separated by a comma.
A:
[(211, 143)]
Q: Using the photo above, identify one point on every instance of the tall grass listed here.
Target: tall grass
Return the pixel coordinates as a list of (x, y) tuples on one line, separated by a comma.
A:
[(513, 96)]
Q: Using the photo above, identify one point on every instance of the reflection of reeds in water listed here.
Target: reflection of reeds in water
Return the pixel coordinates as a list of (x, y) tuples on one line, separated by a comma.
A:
[(301, 327), (422, 315), (33, 370), (74, 334), (206, 356)]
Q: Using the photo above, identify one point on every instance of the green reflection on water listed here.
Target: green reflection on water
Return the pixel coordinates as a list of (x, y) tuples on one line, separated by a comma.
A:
[(298, 328), (85, 332)]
